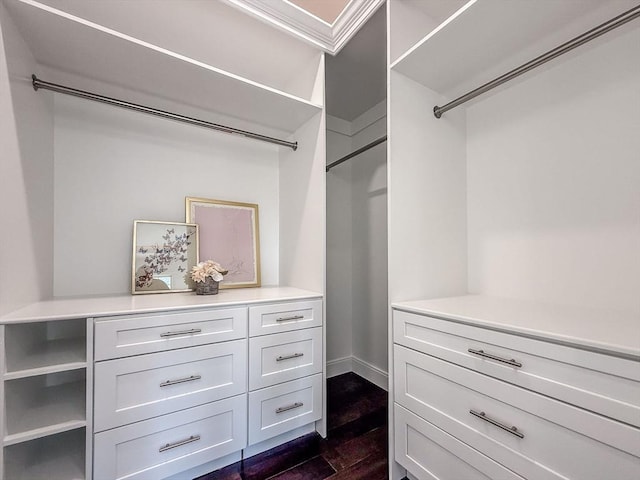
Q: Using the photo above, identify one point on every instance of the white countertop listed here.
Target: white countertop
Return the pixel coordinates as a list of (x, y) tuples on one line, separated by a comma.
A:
[(85, 307), (611, 331)]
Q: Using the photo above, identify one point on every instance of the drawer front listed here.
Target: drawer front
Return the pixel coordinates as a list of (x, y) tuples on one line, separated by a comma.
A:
[(278, 409), (134, 335), (558, 440), (286, 356), (131, 389), (284, 317), (601, 383), (173, 443), (428, 453)]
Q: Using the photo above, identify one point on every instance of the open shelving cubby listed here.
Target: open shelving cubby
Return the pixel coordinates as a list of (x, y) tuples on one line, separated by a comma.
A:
[(56, 457)]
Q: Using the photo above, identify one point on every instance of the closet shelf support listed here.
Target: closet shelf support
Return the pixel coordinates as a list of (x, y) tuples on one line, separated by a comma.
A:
[(544, 58), (41, 84)]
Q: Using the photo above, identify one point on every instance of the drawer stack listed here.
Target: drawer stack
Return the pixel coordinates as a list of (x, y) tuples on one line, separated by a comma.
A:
[(472, 402), (169, 391), (285, 367)]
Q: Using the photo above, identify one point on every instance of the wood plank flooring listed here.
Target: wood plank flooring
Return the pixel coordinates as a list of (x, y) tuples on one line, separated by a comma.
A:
[(355, 447)]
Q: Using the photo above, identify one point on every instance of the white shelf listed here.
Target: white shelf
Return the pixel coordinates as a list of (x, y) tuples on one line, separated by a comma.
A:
[(86, 50), (49, 357), (35, 410), (42, 348), (60, 457), (487, 38), (610, 331)]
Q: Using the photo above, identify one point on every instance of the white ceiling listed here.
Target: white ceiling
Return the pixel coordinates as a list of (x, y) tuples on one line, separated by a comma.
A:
[(356, 78)]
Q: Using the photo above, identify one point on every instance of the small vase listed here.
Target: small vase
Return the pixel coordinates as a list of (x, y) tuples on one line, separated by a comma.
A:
[(208, 287)]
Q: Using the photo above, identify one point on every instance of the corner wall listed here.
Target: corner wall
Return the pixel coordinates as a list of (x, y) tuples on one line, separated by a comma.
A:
[(357, 226), (26, 177)]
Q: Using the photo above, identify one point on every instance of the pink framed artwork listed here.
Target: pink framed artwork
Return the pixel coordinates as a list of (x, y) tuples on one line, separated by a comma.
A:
[(228, 234)]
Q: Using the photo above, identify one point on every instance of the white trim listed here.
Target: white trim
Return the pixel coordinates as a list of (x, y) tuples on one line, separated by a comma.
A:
[(372, 373), (338, 125), (298, 22), (339, 366), (366, 370), (374, 114)]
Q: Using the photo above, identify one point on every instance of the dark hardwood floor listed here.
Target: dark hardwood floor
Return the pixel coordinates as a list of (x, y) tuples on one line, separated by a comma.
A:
[(355, 447)]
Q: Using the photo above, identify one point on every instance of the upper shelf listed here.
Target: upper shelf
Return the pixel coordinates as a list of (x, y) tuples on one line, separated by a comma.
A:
[(94, 53), (486, 38)]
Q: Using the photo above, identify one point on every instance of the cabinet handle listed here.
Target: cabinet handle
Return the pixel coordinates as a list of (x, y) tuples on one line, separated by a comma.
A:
[(180, 380), (288, 319), (193, 331), (289, 407), (287, 357), (508, 361), (169, 446), (511, 430)]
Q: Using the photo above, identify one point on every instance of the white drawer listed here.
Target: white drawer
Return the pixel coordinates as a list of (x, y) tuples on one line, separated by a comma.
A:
[(136, 334), (560, 441), (173, 443), (131, 389), (284, 317), (601, 383), (428, 453), (281, 408), (284, 356)]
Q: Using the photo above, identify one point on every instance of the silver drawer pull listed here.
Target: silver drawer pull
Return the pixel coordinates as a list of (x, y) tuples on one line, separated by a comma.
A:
[(511, 430), (169, 446), (288, 319), (180, 380), (289, 407), (482, 353), (193, 331), (287, 357)]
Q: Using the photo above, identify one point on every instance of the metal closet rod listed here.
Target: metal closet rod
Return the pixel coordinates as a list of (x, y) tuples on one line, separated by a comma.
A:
[(37, 84), (357, 152), (544, 58)]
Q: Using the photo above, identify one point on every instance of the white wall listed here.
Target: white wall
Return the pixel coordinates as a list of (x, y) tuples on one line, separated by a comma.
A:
[(113, 166), (553, 168), (357, 253), (339, 255), (26, 177)]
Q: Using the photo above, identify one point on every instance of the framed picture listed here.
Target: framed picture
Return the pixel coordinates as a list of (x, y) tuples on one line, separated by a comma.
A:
[(163, 254), (228, 235)]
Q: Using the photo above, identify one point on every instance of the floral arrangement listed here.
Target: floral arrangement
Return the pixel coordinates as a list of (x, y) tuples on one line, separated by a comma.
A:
[(202, 270)]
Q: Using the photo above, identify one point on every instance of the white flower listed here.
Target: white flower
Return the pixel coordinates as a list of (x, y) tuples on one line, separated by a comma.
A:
[(206, 269)]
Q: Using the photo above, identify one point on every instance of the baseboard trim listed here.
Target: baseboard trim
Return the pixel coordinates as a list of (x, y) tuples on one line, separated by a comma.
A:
[(339, 366), (364, 369)]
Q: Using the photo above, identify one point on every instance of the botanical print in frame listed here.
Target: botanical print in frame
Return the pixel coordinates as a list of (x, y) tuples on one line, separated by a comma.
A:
[(228, 235), (163, 255)]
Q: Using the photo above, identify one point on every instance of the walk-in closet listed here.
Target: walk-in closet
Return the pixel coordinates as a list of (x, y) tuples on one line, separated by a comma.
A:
[(357, 205)]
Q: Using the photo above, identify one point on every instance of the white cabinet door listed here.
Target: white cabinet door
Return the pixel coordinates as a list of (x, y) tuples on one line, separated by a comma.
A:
[(128, 335), (284, 317), (432, 454), (135, 388), (285, 356), (166, 445), (278, 409)]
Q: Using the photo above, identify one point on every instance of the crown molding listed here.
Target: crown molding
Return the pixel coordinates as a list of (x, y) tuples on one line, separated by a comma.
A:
[(298, 22)]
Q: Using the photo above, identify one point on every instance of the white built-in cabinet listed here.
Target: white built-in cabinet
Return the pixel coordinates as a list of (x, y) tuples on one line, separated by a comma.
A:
[(78, 173), (514, 333), (161, 386)]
